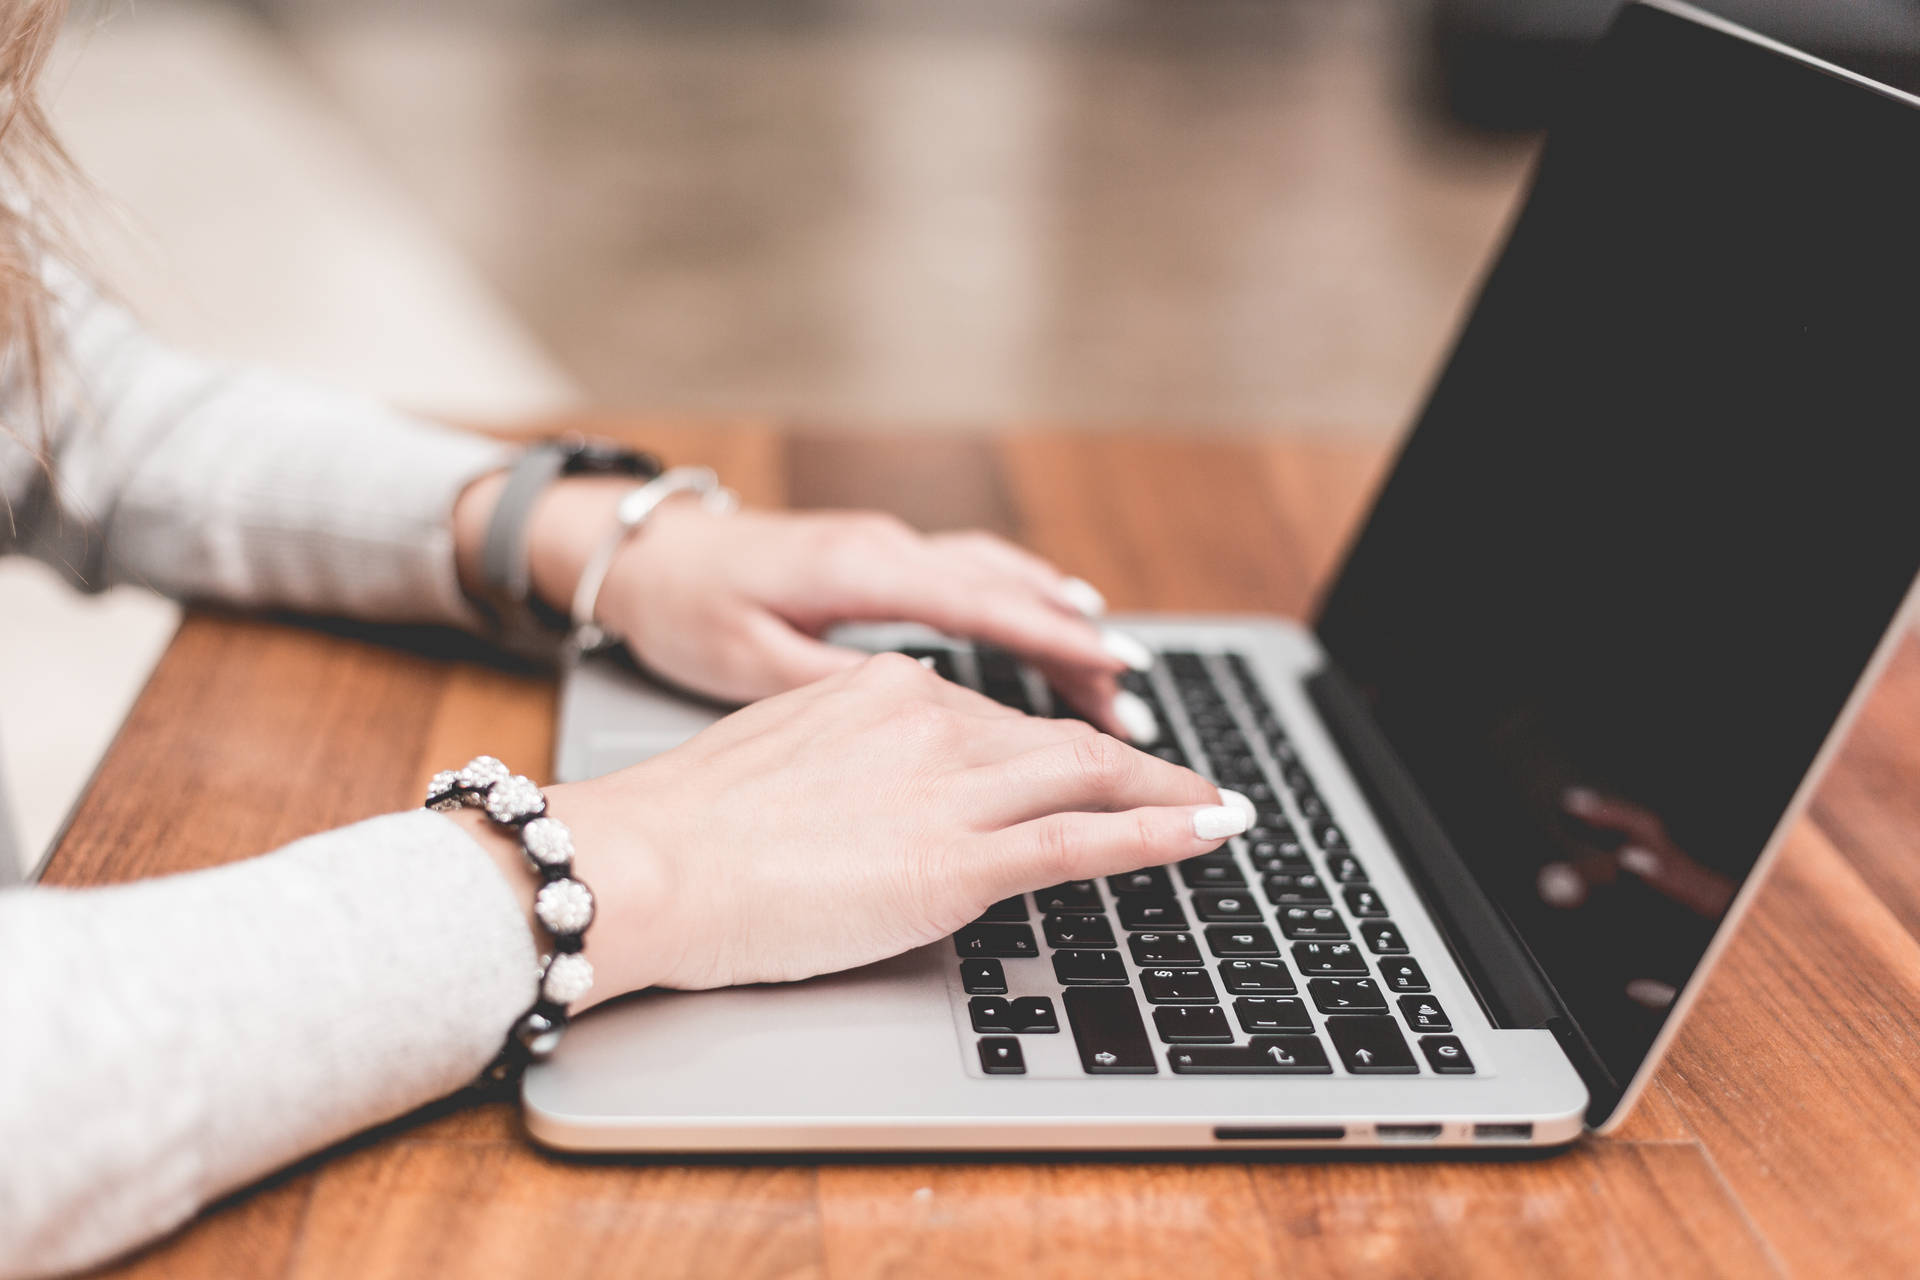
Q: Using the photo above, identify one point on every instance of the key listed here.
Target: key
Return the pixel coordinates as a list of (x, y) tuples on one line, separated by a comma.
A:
[(1147, 911), (1034, 1016), (1363, 901), (1312, 922), (1162, 950), (1260, 1014), (1009, 941), (1330, 837), (1346, 868), (1079, 931), (1423, 1013), (990, 1013), (1403, 975), (1256, 977), (1312, 808), (1211, 871), (1265, 1055), (1108, 1031), (1000, 677), (1089, 968), (1013, 910), (1371, 1046), (1177, 986), (1292, 890), (1286, 857), (1232, 904), (1316, 958), (1075, 895), (1228, 940), (1383, 937), (1001, 1056), (1146, 880), (1193, 1024), (1446, 1055), (1346, 995), (939, 660), (983, 977)]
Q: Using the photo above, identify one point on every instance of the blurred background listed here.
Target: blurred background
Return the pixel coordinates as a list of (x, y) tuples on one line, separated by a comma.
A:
[(898, 215)]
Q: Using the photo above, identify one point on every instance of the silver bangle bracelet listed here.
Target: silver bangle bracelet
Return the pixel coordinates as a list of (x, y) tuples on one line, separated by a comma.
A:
[(633, 511), (563, 904)]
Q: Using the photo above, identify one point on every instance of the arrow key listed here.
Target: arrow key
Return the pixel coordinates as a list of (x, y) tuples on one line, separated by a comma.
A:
[(1001, 1056), (1371, 1046)]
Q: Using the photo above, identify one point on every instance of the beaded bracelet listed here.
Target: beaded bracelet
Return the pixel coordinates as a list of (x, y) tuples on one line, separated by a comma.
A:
[(562, 904)]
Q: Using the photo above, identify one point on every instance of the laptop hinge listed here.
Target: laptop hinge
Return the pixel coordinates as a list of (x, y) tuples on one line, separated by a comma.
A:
[(1504, 975)]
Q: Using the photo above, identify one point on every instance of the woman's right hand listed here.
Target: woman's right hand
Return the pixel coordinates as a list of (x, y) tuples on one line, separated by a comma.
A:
[(857, 817)]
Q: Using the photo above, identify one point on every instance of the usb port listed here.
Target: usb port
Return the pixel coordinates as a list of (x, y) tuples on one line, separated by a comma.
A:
[(1407, 1132), (1503, 1133)]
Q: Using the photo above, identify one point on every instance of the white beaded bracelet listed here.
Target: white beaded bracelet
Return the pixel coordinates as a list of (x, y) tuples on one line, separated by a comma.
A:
[(562, 904)]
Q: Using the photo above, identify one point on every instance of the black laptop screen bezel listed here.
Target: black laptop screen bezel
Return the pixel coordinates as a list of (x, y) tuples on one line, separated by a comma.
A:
[(1645, 35)]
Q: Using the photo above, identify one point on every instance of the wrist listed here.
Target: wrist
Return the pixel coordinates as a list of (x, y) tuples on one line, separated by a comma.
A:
[(632, 895)]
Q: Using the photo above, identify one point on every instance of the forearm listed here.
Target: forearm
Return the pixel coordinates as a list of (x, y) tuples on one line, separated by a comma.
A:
[(209, 482), (177, 1038)]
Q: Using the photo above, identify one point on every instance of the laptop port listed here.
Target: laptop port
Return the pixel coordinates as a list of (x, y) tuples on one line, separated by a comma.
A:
[(1298, 1133), (1503, 1133), (1407, 1132)]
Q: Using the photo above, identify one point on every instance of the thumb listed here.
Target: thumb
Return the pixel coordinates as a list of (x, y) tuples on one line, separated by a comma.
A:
[(789, 659)]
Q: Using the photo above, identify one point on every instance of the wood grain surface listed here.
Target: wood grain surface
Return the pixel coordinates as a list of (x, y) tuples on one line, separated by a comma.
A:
[(1780, 1137)]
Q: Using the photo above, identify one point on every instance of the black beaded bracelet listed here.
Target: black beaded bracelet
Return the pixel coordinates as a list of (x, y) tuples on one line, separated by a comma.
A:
[(562, 904)]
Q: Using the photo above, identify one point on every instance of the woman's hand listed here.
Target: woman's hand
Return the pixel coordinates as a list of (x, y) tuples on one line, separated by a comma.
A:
[(733, 605), (855, 818)]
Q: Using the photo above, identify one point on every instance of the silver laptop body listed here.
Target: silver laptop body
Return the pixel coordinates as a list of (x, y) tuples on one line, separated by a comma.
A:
[(1507, 1036)]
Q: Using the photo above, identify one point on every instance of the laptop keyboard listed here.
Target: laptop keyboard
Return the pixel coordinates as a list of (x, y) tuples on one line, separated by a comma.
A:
[(1273, 955)]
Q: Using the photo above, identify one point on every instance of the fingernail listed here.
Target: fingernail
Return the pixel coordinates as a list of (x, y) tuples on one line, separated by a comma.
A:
[(1644, 863), (1127, 649), (1233, 799), (1219, 822), (1136, 717), (927, 661), (1083, 596), (1559, 885), (1579, 801)]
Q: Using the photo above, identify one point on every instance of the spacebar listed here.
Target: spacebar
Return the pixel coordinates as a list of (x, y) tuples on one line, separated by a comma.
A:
[(1107, 1028)]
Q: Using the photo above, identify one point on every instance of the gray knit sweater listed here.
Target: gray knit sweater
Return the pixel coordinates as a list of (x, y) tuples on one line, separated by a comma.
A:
[(166, 1041)]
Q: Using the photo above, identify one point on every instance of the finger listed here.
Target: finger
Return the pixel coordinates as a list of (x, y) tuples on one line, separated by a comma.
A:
[(1081, 846), (788, 659), (1087, 773), (926, 589), (1098, 696), (991, 551), (1613, 814)]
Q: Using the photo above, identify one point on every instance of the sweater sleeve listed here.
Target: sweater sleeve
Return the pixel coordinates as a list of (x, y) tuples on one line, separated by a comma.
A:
[(169, 1040), (209, 482)]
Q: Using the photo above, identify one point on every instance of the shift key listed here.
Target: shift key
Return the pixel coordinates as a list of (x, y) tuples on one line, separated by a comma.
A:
[(1108, 1031)]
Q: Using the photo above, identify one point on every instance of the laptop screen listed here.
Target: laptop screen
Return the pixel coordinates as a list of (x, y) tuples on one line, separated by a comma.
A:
[(1661, 507)]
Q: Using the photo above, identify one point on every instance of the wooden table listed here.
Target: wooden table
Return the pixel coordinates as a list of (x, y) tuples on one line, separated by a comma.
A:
[(1783, 1133)]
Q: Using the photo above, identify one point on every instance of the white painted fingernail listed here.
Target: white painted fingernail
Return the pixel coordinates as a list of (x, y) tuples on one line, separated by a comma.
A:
[(1127, 649), (1083, 596), (1234, 800), (1644, 863), (927, 661), (1136, 717), (1219, 822)]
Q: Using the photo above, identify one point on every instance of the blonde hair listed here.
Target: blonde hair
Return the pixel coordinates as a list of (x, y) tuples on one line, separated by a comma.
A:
[(32, 166)]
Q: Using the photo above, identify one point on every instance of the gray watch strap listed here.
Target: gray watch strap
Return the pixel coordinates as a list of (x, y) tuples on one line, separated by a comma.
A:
[(505, 576)]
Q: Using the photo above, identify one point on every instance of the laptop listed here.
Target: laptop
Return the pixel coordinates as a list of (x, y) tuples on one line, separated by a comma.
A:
[(1633, 571)]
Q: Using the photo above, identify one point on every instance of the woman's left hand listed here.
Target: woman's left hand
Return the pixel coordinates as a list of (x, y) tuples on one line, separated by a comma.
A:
[(734, 605)]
